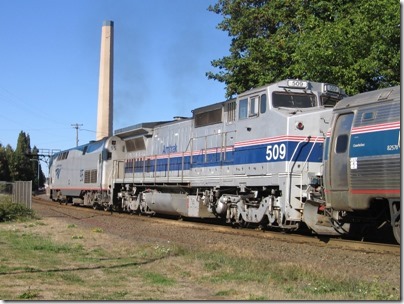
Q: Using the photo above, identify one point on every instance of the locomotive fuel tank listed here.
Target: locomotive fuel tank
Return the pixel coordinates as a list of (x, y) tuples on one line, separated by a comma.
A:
[(176, 204)]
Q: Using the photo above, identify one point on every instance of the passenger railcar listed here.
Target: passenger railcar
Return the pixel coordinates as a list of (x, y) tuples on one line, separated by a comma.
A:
[(362, 164)]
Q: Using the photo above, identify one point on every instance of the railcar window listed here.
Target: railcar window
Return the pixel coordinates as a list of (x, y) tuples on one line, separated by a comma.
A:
[(242, 109), (253, 106), (342, 143), (368, 116), (263, 105), (293, 100)]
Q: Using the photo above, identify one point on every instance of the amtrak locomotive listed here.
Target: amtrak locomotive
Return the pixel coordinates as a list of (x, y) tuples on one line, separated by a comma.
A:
[(256, 159)]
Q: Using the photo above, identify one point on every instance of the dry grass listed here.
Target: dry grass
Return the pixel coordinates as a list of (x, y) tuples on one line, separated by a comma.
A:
[(53, 260)]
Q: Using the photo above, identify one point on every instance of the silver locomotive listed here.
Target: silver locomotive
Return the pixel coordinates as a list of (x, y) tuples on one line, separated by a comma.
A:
[(246, 160)]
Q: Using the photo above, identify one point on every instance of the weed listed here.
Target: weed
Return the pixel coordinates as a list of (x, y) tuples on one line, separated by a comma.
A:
[(11, 211), (71, 278), (28, 295), (224, 293), (158, 279)]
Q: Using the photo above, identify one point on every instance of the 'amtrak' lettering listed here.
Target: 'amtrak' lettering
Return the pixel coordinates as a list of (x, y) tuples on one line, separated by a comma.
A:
[(169, 149)]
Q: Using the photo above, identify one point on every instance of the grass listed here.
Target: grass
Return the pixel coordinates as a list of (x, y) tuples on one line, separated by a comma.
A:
[(156, 271), (292, 279), (34, 266)]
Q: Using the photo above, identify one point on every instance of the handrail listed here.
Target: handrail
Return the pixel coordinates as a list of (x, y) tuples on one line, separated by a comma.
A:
[(294, 152), (311, 150), (152, 159)]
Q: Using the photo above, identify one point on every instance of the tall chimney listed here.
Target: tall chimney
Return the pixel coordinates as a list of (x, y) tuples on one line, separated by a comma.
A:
[(105, 86)]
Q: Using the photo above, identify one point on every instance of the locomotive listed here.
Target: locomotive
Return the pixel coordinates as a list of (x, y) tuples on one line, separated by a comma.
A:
[(255, 159), (81, 175)]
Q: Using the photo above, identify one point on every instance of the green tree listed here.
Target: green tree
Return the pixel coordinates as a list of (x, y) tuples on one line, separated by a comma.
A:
[(5, 163), (21, 166), (354, 44)]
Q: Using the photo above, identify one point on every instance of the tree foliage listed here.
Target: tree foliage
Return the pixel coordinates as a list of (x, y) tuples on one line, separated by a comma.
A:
[(5, 157), (354, 44), (18, 165)]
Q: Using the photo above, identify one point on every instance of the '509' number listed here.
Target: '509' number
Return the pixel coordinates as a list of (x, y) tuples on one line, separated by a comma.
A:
[(275, 152)]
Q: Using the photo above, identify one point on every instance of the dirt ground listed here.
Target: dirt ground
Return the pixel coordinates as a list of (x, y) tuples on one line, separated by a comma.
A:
[(120, 233)]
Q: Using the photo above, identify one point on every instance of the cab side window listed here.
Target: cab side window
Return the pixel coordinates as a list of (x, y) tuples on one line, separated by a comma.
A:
[(243, 109), (263, 103)]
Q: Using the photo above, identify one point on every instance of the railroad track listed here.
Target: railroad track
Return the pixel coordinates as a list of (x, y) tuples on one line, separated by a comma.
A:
[(314, 240)]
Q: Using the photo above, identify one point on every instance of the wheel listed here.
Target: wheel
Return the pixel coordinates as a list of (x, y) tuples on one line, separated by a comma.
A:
[(397, 230), (395, 220), (242, 223)]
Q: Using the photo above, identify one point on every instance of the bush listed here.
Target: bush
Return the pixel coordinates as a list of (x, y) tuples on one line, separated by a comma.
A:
[(11, 211)]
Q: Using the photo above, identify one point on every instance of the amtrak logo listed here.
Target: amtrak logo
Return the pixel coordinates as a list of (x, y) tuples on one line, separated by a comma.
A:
[(57, 172)]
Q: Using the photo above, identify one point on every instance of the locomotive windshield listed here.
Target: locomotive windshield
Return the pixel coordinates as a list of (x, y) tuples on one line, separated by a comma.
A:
[(293, 100), (329, 101)]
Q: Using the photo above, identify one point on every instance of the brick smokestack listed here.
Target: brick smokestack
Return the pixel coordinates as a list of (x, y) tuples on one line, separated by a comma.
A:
[(105, 86)]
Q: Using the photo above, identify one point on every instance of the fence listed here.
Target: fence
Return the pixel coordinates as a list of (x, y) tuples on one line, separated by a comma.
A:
[(20, 191)]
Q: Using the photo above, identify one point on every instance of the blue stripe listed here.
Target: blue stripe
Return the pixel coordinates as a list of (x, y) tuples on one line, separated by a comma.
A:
[(375, 143), (240, 156)]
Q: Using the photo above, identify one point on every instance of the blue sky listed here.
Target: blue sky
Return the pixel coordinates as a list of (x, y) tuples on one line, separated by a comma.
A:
[(49, 64)]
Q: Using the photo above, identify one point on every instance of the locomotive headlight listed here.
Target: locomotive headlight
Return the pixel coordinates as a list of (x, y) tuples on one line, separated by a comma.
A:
[(299, 125)]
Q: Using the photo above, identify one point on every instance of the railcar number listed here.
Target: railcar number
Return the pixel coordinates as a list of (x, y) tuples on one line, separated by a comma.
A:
[(393, 147), (275, 152)]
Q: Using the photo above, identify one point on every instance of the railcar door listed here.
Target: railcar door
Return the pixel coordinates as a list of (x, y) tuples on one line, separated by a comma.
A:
[(339, 160)]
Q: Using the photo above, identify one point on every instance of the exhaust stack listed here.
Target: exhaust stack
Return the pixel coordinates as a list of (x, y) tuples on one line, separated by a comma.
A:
[(105, 85)]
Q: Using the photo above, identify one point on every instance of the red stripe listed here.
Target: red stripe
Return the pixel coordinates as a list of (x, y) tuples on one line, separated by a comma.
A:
[(368, 191), (55, 187), (377, 127), (375, 191), (276, 139)]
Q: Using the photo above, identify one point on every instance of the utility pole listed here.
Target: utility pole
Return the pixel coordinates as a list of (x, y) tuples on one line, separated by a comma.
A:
[(76, 126)]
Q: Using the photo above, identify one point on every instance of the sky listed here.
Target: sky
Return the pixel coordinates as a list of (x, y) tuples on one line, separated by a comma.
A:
[(50, 57)]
